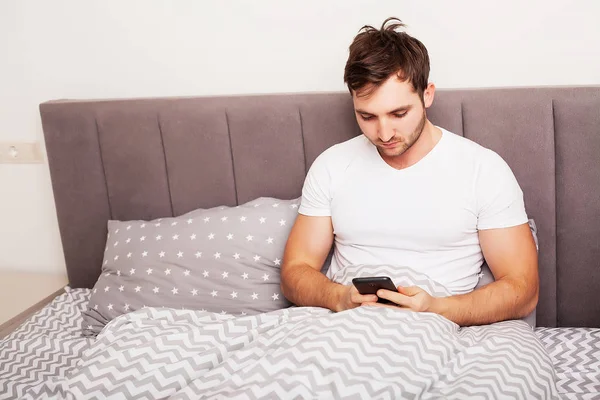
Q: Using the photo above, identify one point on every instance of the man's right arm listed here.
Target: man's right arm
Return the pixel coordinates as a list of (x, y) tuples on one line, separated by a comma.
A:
[(302, 282)]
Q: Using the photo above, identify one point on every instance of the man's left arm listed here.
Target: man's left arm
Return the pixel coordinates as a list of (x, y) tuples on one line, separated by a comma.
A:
[(512, 257)]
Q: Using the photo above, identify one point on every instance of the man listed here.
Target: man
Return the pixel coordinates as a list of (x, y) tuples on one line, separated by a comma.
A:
[(407, 192)]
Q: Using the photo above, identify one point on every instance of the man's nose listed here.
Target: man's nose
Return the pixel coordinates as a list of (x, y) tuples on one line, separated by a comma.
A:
[(386, 132)]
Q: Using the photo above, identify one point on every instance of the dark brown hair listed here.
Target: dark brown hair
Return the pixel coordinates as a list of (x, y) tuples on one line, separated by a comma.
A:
[(377, 54)]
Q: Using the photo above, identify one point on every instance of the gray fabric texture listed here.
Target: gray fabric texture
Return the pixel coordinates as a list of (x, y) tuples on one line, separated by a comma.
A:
[(308, 352), (223, 259)]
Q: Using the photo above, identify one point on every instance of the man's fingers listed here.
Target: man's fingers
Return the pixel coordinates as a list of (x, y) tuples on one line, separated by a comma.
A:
[(398, 298), (409, 290), (360, 298)]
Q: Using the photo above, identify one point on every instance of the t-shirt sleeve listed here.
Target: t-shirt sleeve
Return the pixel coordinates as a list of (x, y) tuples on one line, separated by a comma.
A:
[(316, 192), (500, 201)]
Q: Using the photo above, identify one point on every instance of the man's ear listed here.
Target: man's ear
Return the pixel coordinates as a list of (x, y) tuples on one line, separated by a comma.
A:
[(428, 95)]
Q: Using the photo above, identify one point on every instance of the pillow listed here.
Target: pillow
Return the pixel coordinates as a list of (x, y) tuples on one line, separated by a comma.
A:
[(223, 259)]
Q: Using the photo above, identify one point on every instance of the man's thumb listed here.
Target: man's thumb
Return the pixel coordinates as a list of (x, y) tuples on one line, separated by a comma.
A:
[(409, 290)]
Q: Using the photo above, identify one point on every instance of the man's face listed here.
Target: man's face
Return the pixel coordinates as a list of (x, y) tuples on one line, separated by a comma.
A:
[(393, 116)]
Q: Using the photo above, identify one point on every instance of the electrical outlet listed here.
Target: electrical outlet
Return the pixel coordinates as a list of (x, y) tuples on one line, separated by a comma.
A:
[(20, 153)]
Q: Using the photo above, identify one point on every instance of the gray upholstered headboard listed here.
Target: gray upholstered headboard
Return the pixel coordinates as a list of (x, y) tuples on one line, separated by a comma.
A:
[(150, 158)]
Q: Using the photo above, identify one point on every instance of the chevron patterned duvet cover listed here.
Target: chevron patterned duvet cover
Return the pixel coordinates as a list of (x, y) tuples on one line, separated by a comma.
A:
[(303, 352)]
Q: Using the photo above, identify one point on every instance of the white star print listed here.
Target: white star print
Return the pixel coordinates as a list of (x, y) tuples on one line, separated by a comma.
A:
[(132, 271), (249, 238), (214, 293), (242, 219), (256, 258), (263, 220), (89, 327), (106, 289), (126, 308), (96, 307), (225, 275), (110, 306), (137, 289), (236, 256), (282, 222), (128, 227), (275, 296), (206, 219), (142, 225), (294, 206), (186, 272), (158, 237), (194, 292), (156, 289), (118, 272), (243, 313), (245, 275), (223, 312), (189, 221), (128, 240), (116, 231), (116, 258), (211, 236), (168, 271), (175, 291), (107, 274), (121, 288), (116, 244), (95, 290), (180, 254), (256, 205), (149, 271), (217, 255), (233, 295), (205, 273), (144, 254), (270, 240), (198, 254), (276, 205), (174, 223), (230, 236), (129, 255), (142, 238), (161, 254), (277, 261), (193, 237), (157, 224), (175, 237), (105, 262), (224, 219), (265, 277), (254, 296)]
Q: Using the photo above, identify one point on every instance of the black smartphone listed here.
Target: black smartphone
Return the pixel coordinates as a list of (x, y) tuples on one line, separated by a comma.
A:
[(371, 284)]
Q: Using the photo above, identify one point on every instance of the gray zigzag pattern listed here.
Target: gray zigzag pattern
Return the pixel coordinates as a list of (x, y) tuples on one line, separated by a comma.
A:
[(576, 356), (575, 353), (47, 345), (363, 353)]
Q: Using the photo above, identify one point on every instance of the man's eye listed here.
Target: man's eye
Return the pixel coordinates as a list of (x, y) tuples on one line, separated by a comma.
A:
[(366, 118), (399, 115)]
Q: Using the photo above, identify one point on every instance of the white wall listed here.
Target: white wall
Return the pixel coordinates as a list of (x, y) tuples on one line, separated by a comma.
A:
[(118, 48)]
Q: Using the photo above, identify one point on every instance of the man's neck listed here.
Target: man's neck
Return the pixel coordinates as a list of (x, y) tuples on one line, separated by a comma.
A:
[(429, 138)]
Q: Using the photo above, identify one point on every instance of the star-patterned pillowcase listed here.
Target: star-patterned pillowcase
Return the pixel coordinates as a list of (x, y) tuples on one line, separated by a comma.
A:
[(223, 259)]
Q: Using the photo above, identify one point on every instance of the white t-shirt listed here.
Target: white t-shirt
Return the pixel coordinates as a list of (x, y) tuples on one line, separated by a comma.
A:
[(425, 216)]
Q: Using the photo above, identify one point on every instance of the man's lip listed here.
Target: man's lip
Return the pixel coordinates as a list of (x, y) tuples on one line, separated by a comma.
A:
[(389, 144)]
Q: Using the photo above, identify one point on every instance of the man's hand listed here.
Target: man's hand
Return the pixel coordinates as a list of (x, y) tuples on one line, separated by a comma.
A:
[(350, 298), (411, 297)]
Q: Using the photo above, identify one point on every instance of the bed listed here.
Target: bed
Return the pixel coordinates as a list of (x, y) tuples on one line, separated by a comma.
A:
[(165, 164)]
